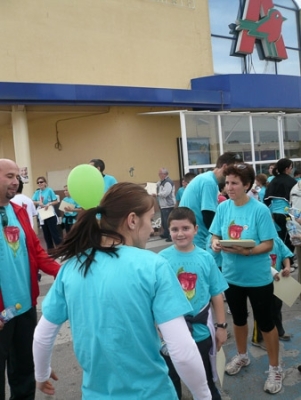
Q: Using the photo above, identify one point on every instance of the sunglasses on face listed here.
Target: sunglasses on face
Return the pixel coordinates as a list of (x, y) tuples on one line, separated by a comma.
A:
[(4, 218), (40, 182)]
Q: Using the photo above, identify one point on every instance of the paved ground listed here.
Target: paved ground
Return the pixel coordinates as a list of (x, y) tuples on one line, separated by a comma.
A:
[(247, 385)]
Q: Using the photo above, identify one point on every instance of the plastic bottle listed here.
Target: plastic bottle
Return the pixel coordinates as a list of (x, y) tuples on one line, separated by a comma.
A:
[(9, 312), (292, 230), (294, 212)]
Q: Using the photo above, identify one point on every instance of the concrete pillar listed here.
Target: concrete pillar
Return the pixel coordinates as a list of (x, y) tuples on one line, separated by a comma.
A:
[(21, 145)]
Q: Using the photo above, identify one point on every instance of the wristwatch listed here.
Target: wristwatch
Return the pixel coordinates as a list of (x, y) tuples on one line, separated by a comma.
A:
[(224, 325)]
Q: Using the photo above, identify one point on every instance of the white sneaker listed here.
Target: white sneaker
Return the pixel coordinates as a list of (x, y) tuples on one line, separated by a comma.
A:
[(274, 382), (235, 365)]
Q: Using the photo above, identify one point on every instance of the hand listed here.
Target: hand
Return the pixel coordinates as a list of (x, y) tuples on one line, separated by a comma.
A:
[(235, 250), (1, 325), (47, 387), (286, 272), (69, 209), (216, 246), (276, 277), (220, 337)]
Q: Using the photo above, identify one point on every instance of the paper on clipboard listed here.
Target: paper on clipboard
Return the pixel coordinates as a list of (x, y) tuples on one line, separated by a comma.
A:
[(220, 365), (151, 188), (65, 204), (287, 289), (44, 214)]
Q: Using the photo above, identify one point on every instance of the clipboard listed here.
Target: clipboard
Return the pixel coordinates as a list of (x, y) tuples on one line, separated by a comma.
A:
[(151, 188), (220, 365), (65, 204), (249, 243), (287, 289), (44, 214)]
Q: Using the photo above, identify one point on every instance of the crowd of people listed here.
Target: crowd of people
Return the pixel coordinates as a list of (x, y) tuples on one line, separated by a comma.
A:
[(173, 300)]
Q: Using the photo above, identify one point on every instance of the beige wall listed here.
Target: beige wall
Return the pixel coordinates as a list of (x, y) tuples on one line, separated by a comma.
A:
[(108, 42), (121, 137)]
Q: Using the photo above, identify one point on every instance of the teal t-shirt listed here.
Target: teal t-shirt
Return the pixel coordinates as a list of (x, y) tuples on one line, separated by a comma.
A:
[(250, 221), (46, 196), (14, 264), (201, 194), (279, 252), (179, 193), (200, 279), (112, 314), (109, 181)]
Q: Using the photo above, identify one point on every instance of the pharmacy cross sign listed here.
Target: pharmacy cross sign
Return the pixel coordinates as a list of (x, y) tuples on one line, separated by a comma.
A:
[(260, 21)]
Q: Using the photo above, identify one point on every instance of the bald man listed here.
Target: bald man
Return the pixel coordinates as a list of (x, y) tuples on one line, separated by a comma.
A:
[(21, 258)]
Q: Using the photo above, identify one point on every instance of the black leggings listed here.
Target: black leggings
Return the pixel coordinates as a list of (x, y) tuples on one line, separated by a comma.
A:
[(261, 299)]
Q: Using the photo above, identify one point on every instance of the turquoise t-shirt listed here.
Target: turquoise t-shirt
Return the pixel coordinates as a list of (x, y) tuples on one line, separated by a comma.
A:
[(109, 181), (250, 221), (70, 213), (179, 193), (278, 206), (200, 279), (14, 264), (46, 196), (261, 194), (279, 252), (200, 195), (112, 314)]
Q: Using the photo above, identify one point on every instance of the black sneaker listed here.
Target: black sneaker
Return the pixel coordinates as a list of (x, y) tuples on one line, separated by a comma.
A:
[(168, 240)]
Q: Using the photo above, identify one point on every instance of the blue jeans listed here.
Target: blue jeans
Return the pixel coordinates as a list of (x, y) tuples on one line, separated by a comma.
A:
[(164, 217)]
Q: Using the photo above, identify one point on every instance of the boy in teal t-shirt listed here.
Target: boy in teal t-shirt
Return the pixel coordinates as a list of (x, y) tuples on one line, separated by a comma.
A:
[(202, 283)]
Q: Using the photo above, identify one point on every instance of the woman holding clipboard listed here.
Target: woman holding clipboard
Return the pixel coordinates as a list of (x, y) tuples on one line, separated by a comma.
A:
[(45, 198), (247, 269)]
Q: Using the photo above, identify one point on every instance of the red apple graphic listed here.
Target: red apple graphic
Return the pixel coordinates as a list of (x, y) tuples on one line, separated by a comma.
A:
[(234, 231)]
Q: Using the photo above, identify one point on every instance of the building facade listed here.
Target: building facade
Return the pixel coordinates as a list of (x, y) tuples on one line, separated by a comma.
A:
[(112, 79)]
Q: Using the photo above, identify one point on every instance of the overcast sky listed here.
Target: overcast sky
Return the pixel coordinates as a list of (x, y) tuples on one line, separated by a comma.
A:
[(298, 2)]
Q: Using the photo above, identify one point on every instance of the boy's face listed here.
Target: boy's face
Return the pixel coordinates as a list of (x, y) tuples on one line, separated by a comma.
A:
[(182, 233), (66, 193)]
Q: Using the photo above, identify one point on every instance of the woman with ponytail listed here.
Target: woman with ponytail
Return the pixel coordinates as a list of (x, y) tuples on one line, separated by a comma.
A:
[(114, 293)]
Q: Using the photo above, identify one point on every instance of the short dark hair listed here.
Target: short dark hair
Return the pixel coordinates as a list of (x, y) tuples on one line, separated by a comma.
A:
[(180, 213), (228, 158), (98, 163), (189, 176), (297, 172), (20, 187), (245, 172)]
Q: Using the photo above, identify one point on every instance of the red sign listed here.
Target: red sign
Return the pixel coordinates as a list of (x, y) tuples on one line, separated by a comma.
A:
[(261, 21)]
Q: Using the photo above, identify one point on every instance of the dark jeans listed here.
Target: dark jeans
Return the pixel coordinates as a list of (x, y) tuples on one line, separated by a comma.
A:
[(51, 233), (204, 347), (16, 353), (164, 217)]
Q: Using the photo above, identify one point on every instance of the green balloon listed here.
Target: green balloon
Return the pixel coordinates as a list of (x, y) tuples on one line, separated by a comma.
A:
[(86, 186)]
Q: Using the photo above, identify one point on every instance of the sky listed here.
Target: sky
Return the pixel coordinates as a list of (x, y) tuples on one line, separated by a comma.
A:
[(298, 2)]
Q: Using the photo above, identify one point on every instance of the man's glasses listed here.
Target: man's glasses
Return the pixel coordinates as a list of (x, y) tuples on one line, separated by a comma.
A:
[(41, 182), (240, 166), (4, 218)]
